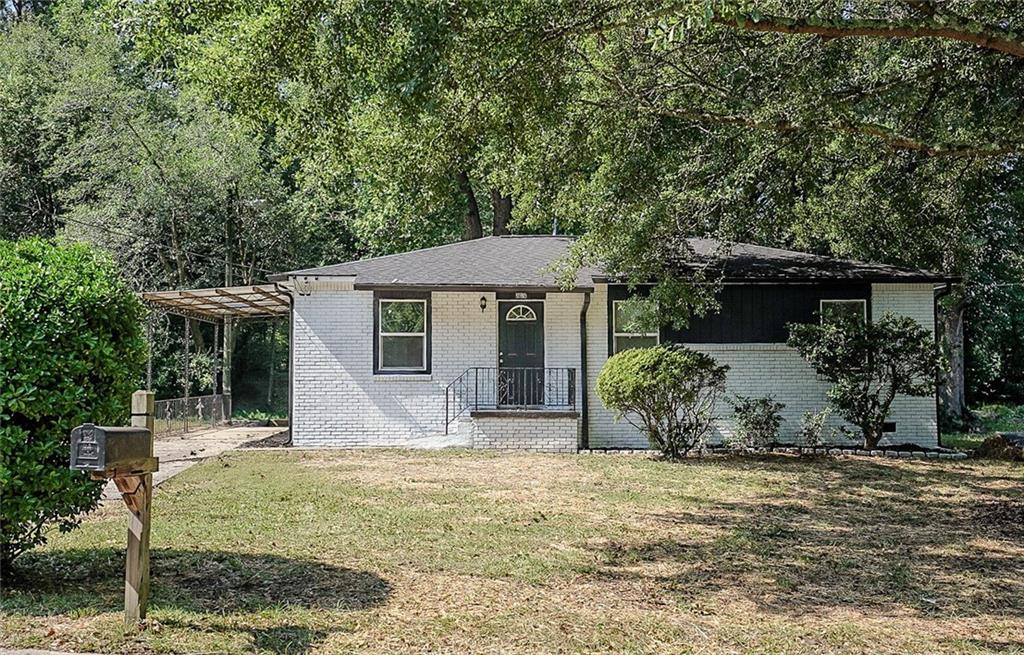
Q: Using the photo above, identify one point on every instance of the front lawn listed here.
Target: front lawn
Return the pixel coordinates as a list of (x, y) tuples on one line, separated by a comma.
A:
[(467, 552)]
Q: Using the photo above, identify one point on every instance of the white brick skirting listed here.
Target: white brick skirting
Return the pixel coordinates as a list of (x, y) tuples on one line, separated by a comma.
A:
[(538, 434)]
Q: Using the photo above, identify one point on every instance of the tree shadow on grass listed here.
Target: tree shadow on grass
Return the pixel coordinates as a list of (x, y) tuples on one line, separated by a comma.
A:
[(210, 583), (865, 536)]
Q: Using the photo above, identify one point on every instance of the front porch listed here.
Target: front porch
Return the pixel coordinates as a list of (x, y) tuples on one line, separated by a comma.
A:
[(514, 408)]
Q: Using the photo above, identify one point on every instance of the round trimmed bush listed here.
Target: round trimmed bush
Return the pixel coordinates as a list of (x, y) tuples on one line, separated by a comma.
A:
[(669, 392), (71, 351)]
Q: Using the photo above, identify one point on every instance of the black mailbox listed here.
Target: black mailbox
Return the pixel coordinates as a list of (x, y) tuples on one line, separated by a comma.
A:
[(99, 448)]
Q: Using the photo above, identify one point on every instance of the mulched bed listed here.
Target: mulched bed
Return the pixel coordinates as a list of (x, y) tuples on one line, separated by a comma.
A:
[(282, 439)]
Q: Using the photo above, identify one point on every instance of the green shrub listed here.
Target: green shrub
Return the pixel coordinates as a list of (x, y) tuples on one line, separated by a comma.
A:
[(869, 364), (757, 422), (71, 351), (668, 392), (812, 430)]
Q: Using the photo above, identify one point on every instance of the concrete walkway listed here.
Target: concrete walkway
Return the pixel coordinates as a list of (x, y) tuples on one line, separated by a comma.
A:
[(178, 451)]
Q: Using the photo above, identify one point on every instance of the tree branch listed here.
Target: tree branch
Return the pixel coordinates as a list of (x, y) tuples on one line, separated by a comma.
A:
[(989, 38), (891, 138), (936, 25)]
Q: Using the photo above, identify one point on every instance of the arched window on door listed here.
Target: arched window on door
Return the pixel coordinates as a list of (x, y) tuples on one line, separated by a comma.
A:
[(521, 313)]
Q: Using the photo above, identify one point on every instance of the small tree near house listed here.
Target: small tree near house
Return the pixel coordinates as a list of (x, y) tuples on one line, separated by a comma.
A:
[(869, 364), (669, 392)]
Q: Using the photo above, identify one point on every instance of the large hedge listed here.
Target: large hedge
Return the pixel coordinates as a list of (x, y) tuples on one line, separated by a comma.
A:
[(71, 351)]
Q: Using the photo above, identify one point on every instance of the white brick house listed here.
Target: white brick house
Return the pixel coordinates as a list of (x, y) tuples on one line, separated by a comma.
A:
[(476, 343)]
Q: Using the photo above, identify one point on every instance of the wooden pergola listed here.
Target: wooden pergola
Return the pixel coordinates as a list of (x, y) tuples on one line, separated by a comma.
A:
[(219, 303), (220, 306)]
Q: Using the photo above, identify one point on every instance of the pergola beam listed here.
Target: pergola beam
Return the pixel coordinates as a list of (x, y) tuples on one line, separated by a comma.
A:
[(212, 303), (261, 301), (228, 294), (270, 296)]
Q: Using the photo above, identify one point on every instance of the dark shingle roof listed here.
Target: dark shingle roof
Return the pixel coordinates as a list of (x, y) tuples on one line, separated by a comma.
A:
[(745, 261), (531, 261), (491, 262)]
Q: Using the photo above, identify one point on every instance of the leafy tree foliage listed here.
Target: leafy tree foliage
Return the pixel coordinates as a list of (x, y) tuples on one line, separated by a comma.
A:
[(668, 392), (868, 364), (28, 204), (882, 130), (181, 193), (71, 350), (13, 10)]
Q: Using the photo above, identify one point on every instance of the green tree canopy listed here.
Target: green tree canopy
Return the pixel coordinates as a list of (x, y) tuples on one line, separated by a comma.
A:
[(636, 122)]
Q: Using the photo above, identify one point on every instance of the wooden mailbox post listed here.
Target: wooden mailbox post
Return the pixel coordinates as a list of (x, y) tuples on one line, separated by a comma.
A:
[(125, 455)]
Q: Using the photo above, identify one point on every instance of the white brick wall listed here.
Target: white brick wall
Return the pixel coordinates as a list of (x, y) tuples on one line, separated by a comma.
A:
[(916, 418), (545, 435), (761, 369), (338, 401)]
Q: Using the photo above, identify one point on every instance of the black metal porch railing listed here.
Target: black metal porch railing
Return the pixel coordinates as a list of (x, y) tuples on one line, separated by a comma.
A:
[(488, 387)]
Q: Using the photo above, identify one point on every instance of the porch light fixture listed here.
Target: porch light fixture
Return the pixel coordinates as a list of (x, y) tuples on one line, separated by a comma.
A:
[(483, 303)]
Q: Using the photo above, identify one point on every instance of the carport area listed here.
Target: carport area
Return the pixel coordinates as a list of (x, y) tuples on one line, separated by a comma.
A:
[(221, 307), (192, 428)]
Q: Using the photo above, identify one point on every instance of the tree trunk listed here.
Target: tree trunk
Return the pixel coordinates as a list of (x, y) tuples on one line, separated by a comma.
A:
[(872, 435), (473, 229), (197, 335), (502, 206), (953, 389)]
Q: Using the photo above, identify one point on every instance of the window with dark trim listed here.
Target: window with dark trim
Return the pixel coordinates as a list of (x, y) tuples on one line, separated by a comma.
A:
[(830, 310), (401, 328), (622, 337)]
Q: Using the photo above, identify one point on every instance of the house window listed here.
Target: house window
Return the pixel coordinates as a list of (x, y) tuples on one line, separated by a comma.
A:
[(521, 313), (622, 337), (831, 310), (402, 335)]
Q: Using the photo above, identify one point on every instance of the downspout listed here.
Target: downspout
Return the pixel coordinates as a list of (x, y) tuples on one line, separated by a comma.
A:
[(291, 357), (584, 413), (940, 294)]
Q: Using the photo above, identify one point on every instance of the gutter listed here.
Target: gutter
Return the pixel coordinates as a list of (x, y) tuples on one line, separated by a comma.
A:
[(286, 290), (939, 294), (584, 391)]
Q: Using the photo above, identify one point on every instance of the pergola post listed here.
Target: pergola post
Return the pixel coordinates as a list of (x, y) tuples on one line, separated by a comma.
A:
[(188, 347), (149, 343), (226, 367)]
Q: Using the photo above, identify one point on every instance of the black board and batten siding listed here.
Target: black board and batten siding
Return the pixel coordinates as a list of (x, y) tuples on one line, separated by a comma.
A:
[(751, 313)]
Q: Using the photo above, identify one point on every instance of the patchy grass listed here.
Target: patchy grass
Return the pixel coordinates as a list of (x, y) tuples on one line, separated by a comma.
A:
[(991, 419), (1001, 418), (468, 552)]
